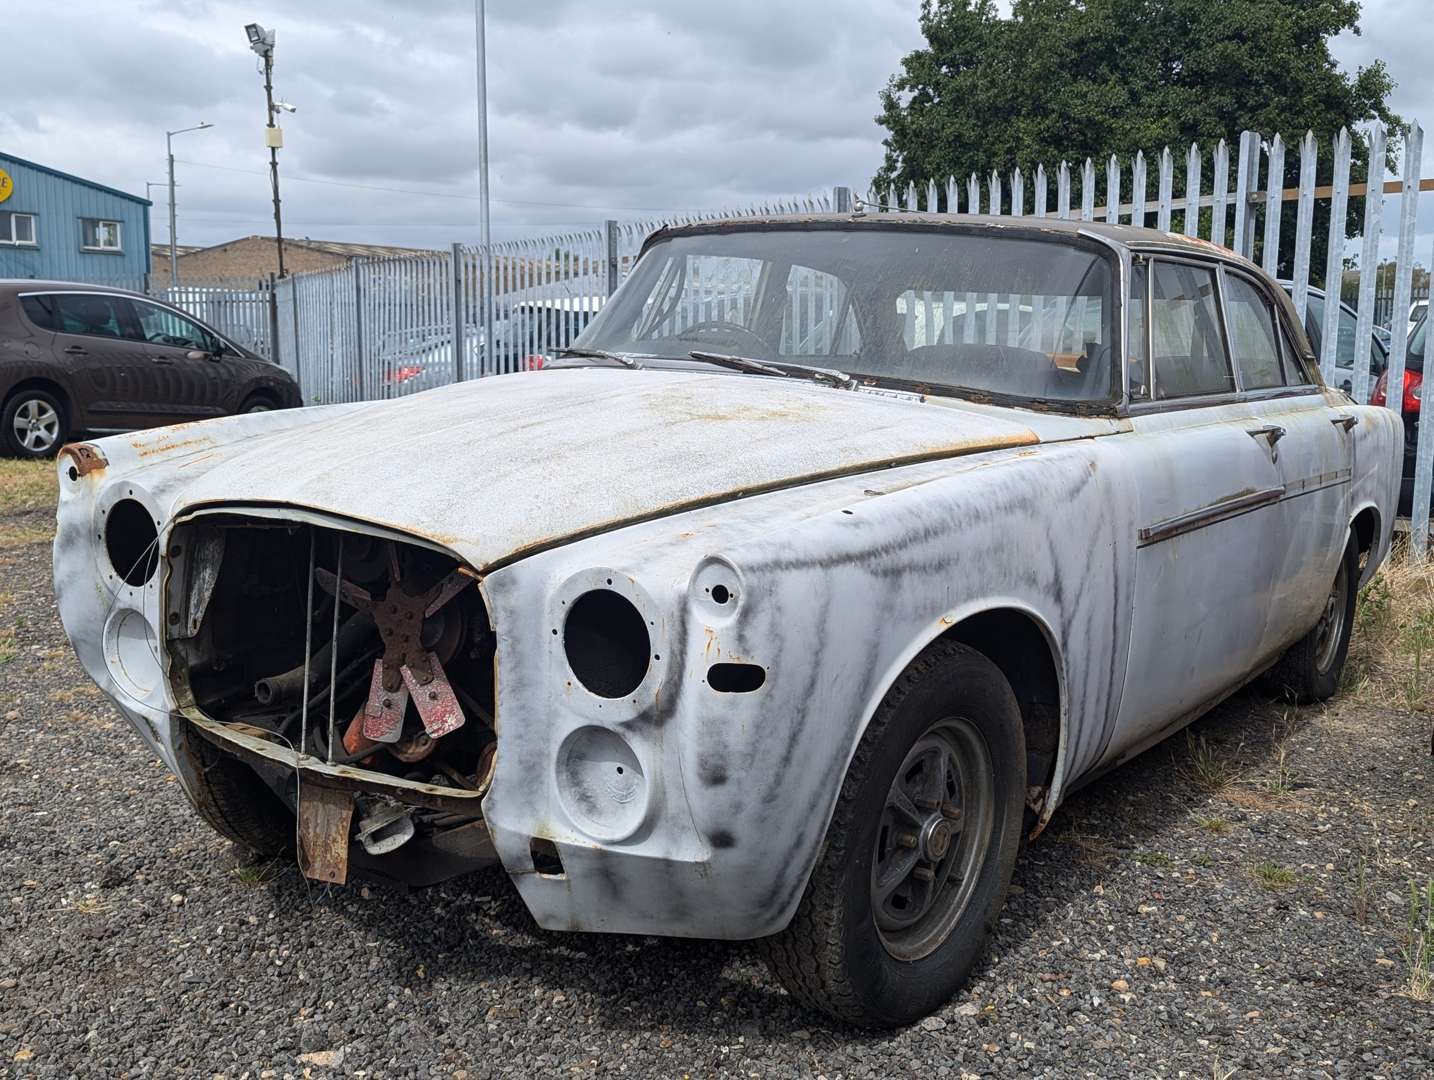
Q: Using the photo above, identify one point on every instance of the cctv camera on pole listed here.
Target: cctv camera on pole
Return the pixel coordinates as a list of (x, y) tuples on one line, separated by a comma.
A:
[(262, 42)]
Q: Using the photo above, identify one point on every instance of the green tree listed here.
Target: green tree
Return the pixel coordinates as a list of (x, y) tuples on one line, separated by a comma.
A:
[(1066, 80)]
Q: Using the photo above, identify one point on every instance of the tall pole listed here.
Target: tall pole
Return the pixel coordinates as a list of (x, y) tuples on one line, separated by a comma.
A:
[(273, 140), (173, 261), (169, 152), (488, 292)]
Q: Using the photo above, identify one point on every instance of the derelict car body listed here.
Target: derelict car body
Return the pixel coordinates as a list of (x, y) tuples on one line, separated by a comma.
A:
[(789, 549)]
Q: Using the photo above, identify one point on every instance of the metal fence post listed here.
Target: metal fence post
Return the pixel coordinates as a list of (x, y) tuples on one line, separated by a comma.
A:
[(274, 349), (355, 266), (610, 231), (1247, 179), (460, 341), (841, 200)]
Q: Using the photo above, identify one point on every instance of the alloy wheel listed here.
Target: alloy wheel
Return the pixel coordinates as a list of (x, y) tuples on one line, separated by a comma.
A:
[(37, 425)]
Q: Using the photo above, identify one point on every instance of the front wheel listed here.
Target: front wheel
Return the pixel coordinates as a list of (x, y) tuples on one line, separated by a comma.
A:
[(35, 425), (920, 850), (1311, 668)]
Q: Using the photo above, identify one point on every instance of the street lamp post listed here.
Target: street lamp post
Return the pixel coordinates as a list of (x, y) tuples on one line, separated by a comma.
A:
[(169, 152), (488, 291), (262, 42)]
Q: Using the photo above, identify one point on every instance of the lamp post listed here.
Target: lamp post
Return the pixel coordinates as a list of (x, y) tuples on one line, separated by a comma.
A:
[(488, 291), (169, 152), (262, 42)]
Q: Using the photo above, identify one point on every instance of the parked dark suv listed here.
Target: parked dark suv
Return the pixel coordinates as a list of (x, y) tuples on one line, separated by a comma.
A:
[(85, 358)]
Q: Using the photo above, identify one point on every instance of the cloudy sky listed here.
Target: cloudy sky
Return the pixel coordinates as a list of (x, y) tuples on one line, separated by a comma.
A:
[(598, 109)]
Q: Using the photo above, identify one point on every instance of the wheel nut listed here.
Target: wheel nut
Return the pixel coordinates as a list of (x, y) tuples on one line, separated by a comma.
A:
[(924, 873), (950, 810), (906, 839), (929, 805)]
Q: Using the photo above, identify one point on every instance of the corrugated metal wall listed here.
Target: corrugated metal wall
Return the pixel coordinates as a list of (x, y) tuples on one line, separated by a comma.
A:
[(59, 203)]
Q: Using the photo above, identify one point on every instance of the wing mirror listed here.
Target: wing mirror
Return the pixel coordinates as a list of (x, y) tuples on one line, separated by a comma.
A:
[(200, 354)]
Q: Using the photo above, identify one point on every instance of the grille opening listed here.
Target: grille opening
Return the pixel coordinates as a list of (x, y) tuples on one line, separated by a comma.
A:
[(132, 542), (238, 649)]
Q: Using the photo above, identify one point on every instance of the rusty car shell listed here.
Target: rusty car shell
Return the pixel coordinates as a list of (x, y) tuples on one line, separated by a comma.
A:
[(847, 530)]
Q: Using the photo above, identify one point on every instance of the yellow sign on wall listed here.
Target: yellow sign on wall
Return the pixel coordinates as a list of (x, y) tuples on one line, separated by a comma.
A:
[(6, 185)]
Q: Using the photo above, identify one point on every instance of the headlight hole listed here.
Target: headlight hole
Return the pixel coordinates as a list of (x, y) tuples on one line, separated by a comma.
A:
[(132, 542), (606, 642)]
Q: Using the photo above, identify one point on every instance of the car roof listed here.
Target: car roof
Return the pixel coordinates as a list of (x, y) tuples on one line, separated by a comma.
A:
[(40, 285), (1127, 236)]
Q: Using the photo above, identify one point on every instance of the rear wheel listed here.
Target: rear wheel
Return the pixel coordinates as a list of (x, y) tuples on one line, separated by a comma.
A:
[(1310, 669), (920, 850), (34, 423)]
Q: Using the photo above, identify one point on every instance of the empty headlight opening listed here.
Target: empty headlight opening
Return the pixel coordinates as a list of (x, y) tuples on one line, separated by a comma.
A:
[(132, 542), (606, 642)]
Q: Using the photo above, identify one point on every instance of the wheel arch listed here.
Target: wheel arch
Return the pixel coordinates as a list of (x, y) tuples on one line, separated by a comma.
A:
[(1020, 642), (1366, 527), (50, 386)]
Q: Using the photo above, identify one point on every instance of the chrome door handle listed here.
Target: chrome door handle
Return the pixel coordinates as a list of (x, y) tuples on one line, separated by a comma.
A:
[(1346, 422), (76, 350), (160, 360), (1271, 433)]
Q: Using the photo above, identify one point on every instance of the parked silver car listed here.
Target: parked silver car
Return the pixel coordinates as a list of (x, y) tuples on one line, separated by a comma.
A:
[(850, 548)]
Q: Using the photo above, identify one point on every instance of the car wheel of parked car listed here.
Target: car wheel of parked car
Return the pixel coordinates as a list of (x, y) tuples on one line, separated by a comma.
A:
[(919, 853), (35, 425), (237, 804), (1310, 669), (256, 404)]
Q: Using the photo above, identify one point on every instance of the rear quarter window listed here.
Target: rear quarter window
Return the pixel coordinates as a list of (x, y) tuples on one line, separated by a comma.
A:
[(40, 310)]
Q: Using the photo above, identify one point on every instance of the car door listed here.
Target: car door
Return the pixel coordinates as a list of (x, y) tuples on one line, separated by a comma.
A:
[(1311, 446), (1344, 343), (188, 378), (1207, 492), (109, 368)]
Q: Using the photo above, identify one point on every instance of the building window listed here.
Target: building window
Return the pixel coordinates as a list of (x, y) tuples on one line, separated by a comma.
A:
[(100, 235), (17, 229)]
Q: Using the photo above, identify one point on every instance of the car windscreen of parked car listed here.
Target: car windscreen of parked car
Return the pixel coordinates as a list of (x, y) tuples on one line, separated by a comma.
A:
[(1014, 317)]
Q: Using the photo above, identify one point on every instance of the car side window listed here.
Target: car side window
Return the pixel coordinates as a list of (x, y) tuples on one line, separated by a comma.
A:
[(91, 314), (1189, 350), (1252, 335), (40, 310), (160, 326)]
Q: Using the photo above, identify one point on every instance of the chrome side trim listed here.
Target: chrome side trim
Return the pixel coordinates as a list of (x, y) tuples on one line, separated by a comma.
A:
[(1209, 515)]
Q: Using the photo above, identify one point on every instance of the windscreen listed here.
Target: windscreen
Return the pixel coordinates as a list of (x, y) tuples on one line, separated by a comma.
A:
[(994, 314)]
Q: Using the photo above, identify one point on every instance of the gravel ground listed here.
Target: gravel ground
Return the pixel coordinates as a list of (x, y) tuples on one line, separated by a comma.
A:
[(1230, 904)]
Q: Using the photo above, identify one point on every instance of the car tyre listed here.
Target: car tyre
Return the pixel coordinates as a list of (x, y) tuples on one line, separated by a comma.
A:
[(256, 403), (867, 946), (1310, 669), (35, 424), (238, 805)]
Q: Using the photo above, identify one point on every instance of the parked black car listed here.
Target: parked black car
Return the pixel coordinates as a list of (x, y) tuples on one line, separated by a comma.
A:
[(1344, 347), (1412, 392), (85, 358)]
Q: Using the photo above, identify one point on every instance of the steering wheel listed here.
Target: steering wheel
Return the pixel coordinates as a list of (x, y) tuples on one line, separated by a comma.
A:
[(721, 327)]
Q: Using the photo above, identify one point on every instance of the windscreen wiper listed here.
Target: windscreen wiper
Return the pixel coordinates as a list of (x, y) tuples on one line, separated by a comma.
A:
[(791, 371), (602, 354)]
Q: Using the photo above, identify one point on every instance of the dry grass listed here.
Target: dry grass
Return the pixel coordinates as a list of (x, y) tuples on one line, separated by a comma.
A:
[(1391, 655), (27, 485), (1418, 948)]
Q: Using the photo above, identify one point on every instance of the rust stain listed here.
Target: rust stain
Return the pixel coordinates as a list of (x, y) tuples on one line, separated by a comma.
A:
[(86, 457), (162, 447)]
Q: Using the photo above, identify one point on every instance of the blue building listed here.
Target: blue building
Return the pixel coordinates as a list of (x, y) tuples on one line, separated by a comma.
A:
[(54, 225)]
